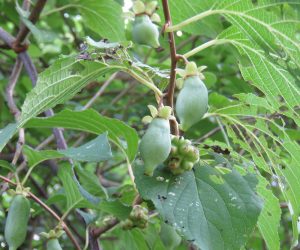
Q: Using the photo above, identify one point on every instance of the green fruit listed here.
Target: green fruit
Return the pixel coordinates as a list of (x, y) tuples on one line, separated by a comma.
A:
[(53, 244), (169, 237), (145, 32), (155, 145), (17, 221), (192, 102)]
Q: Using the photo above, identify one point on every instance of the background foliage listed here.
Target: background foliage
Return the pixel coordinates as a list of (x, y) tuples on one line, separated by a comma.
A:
[(244, 193)]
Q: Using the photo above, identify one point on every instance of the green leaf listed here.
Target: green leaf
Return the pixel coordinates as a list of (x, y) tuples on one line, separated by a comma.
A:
[(115, 208), (213, 210), (59, 83), (270, 31), (76, 196), (271, 149), (90, 182), (103, 17), (34, 157), (127, 239), (280, 87), (6, 134), (269, 219), (94, 151), (7, 165), (88, 217), (184, 9), (91, 121)]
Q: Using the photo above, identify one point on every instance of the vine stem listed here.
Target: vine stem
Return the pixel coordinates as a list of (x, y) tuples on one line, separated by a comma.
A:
[(50, 211), (205, 46), (195, 18), (171, 88)]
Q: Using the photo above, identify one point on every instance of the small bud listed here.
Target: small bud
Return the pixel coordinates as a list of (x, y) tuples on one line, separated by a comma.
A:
[(138, 7)]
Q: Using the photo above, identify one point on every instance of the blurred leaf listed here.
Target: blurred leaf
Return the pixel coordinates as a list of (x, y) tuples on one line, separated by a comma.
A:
[(115, 208), (6, 134), (76, 196), (34, 157), (90, 182), (7, 165), (103, 17), (88, 217)]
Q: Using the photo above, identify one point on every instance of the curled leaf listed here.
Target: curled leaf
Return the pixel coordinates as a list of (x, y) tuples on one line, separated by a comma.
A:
[(155, 18), (147, 119), (165, 112), (138, 7), (151, 7), (153, 110), (179, 83)]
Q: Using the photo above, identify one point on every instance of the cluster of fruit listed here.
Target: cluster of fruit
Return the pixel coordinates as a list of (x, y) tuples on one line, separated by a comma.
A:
[(138, 218), (191, 105)]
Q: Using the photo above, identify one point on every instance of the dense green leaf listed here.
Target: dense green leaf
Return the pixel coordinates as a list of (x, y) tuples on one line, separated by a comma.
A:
[(269, 219), (184, 9), (269, 146), (76, 196), (211, 209), (115, 208), (6, 134), (92, 122), (90, 182), (59, 83), (103, 17), (94, 151)]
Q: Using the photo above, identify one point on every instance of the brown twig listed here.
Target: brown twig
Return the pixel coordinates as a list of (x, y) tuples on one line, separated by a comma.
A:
[(33, 17), (11, 86), (171, 88), (50, 211)]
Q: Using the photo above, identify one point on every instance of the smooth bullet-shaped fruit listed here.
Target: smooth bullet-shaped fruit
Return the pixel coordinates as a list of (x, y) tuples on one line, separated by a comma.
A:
[(192, 102), (145, 32), (53, 244), (17, 222), (155, 145)]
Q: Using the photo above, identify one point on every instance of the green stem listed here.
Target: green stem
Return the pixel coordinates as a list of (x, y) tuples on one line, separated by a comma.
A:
[(223, 132), (59, 9), (205, 46), (193, 19), (150, 85), (69, 210)]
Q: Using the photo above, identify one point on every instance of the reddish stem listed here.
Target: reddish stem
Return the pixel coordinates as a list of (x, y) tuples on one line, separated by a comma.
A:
[(174, 58)]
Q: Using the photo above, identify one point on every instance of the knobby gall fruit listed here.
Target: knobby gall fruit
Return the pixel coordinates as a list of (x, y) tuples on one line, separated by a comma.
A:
[(138, 218), (192, 100), (53, 244), (183, 156), (155, 145), (17, 221), (145, 32)]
